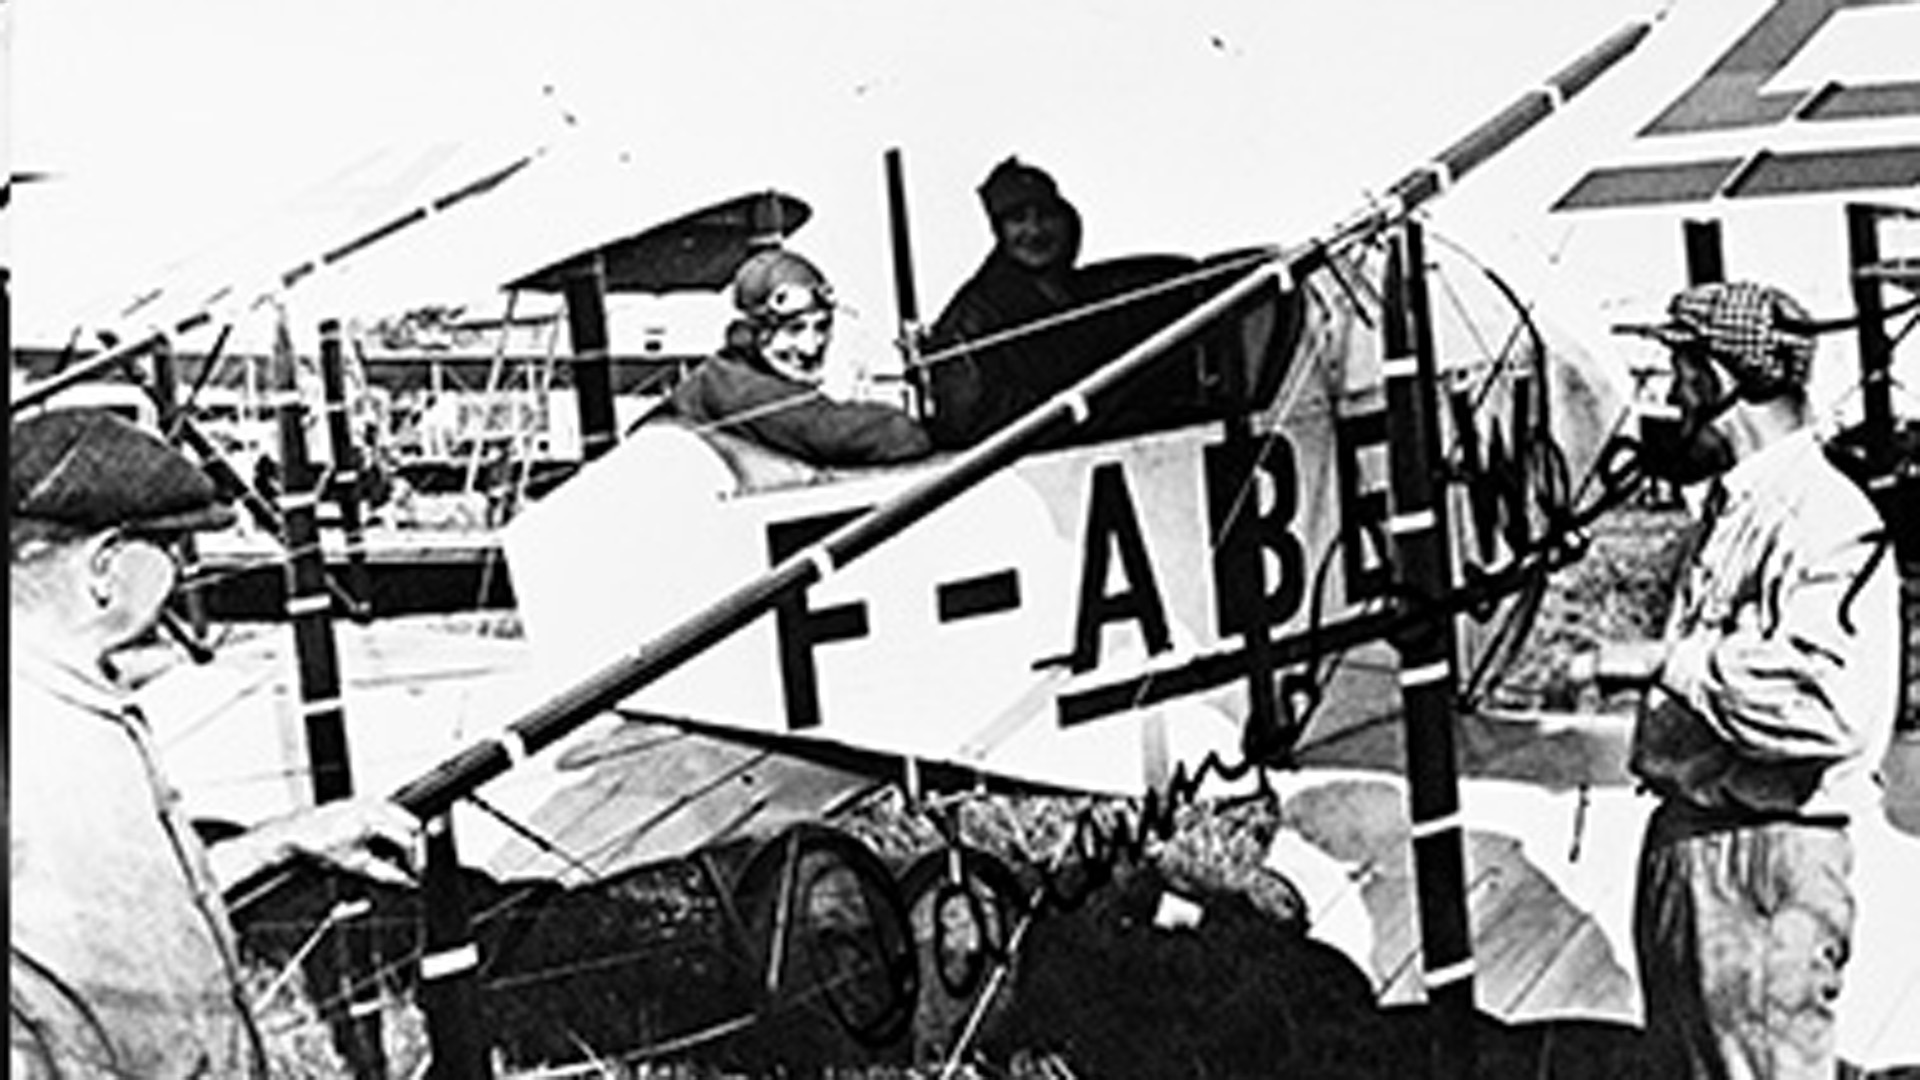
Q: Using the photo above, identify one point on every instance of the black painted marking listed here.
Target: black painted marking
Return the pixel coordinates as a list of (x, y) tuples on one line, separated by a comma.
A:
[(982, 595)]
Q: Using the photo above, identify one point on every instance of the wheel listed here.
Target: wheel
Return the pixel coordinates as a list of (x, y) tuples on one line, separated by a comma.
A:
[(828, 931), (963, 905)]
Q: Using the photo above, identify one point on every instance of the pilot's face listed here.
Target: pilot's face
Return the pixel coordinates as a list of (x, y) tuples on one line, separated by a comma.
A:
[(1035, 235), (796, 346)]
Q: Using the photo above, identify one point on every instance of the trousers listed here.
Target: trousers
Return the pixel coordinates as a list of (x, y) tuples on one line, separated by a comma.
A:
[(1742, 929)]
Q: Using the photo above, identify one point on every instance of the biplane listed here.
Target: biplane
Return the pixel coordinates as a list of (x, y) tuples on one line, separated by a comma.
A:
[(1143, 595)]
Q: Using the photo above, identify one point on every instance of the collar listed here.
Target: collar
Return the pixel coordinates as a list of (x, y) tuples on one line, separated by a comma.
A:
[(1781, 458), (84, 685)]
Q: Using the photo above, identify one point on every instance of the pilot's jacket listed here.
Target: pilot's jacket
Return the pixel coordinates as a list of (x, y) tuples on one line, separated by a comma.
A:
[(121, 957), (976, 391), (731, 393), (1774, 704)]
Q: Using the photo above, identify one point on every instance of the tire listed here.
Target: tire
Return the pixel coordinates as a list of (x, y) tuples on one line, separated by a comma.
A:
[(828, 933), (963, 905)]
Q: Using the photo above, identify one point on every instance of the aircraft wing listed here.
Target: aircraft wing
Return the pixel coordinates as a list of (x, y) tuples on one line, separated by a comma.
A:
[(648, 791), (652, 788)]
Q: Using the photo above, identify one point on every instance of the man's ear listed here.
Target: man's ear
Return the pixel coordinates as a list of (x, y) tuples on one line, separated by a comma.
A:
[(98, 553)]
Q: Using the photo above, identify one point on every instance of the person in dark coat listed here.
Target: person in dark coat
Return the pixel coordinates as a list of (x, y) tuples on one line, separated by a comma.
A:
[(1028, 276), (765, 383)]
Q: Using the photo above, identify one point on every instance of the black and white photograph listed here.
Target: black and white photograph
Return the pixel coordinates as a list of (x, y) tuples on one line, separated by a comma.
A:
[(901, 539)]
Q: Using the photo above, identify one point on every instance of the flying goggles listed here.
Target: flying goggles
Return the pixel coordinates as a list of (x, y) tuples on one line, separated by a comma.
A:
[(791, 298)]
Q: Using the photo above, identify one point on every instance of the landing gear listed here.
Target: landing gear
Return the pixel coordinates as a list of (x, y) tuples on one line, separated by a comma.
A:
[(832, 936), (827, 931), (963, 905)]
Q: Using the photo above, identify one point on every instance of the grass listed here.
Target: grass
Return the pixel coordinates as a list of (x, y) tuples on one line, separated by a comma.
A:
[(1618, 591)]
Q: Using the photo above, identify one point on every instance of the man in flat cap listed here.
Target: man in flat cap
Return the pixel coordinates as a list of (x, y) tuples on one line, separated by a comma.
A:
[(121, 955), (1771, 700), (1027, 277)]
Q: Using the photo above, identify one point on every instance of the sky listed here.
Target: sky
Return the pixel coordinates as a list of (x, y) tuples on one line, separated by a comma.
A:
[(169, 130), (200, 143)]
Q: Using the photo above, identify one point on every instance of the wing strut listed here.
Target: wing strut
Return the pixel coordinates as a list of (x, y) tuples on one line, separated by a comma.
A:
[(1420, 532), (216, 307)]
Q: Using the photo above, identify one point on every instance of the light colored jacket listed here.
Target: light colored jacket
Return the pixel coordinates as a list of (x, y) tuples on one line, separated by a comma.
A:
[(1781, 676), (122, 958)]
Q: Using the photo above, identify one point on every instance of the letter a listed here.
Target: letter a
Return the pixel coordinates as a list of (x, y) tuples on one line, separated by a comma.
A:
[(1111, 524)]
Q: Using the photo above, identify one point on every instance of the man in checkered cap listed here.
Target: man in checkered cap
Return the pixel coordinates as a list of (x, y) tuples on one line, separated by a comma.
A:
[(1771, 700), (1761, 337), (121, 956)]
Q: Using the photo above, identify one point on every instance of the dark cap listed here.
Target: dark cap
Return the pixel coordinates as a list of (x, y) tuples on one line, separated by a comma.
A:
[(1014, 183), (1762, 335), (92, 469)]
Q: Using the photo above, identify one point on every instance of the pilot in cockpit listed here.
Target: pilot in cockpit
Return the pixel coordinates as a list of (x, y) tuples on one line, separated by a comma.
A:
[(766, 382), (990, 355), (1032, 320)]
